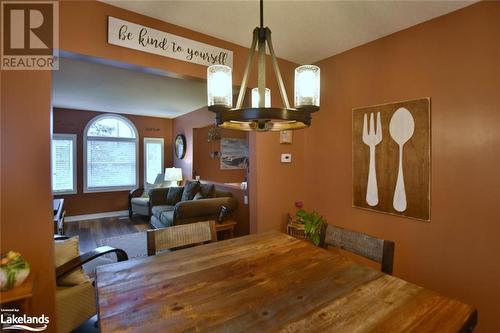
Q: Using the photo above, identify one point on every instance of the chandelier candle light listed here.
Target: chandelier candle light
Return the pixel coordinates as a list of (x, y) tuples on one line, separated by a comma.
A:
[(255, 98), (261, 116)]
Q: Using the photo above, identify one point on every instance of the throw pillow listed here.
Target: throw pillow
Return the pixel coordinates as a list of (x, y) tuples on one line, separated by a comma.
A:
[(198, 196), (174, 195), (207, 190), (65, 250), (190, 190)]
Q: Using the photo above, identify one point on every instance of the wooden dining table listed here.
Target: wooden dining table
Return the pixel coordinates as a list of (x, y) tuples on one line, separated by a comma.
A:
[(267, 282)]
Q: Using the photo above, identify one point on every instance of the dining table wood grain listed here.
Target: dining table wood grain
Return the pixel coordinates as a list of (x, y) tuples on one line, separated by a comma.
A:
[(268, 282)]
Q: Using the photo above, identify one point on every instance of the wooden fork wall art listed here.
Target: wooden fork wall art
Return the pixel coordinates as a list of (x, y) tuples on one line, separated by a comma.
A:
[(391, 158)]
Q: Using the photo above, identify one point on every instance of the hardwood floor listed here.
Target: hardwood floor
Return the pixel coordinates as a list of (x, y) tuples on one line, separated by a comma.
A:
[(91, 232)]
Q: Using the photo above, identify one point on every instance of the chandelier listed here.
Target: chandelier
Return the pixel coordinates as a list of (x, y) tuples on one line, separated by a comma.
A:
[(261, 116)]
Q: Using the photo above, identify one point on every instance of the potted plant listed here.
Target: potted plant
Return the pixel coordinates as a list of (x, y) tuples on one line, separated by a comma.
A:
[(310, 222)]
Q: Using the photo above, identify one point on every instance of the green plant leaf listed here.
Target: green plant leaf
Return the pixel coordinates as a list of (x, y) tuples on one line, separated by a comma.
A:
[(300, 213), (312, 222), (315, 239)]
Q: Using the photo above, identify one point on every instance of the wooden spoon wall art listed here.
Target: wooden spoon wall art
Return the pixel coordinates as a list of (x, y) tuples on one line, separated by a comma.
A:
[(401, 128), (391, 158)]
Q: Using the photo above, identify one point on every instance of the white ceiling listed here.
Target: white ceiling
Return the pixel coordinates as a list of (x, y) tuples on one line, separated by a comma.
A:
[(303, 31), (93, 86)]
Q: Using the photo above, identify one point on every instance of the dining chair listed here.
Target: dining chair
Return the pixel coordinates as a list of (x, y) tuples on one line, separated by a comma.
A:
[(375, 249), (180, 235), (75, 293)]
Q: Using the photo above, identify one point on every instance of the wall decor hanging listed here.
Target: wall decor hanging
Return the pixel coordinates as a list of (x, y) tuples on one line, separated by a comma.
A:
[(213, 138), (180, 146), (286, 137), (234, 153), (391, 158), (146, 39)]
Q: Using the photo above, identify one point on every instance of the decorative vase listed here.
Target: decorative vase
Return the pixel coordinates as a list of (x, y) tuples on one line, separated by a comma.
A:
[(13, 270)]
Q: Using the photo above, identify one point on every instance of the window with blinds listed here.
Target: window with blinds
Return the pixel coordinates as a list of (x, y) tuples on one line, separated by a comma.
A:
[(110, 154), (153, 159), (63, 163)]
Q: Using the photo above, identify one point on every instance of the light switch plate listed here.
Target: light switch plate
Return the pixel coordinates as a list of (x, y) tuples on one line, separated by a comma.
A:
[(286, 158)]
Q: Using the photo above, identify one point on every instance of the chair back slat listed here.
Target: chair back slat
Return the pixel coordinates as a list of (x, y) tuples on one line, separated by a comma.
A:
[(180, 235), (376, 249)]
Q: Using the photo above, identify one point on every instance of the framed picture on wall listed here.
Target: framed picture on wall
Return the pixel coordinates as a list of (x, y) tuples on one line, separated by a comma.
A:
[(180, 146), (234, 153), (391, 158), (286, 137)]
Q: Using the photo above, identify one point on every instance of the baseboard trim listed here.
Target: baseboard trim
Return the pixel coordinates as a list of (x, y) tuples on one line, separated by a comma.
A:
[(84, 217)]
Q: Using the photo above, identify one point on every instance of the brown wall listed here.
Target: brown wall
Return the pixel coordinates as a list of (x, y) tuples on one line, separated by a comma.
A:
[(26, 207), (184, 125), (209, 168), (455, 60), (279, 185), (69, 121)]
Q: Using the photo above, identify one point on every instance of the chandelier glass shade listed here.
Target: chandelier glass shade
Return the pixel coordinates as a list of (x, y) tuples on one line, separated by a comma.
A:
[(256, 98), (261, 116), (307, 86), (219, 86)]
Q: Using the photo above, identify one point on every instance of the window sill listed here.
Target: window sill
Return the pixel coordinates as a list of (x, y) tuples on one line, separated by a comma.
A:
[(64, 193), (109, 189)]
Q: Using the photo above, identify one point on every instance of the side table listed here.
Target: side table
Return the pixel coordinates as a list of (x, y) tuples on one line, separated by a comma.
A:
[(20, 295), (225, 228)]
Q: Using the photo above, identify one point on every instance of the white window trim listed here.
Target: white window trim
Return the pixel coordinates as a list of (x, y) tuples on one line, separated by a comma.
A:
[(153, 140), (71, 137), (103, 138)]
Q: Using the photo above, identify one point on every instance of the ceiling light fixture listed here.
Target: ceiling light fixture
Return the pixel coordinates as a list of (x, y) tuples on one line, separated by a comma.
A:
[(261, 116)]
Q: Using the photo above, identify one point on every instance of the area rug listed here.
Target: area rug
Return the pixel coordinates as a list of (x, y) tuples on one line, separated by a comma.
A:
[(134, 244)]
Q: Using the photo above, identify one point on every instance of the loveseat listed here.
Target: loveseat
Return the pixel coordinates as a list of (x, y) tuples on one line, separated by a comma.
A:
[(190, 203)]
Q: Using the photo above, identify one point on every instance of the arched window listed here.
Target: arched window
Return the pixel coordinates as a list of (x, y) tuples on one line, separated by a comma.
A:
[(110, 154)]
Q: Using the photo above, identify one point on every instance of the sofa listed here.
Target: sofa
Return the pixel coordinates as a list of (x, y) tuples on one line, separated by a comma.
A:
[(138, 198), (190, 203)]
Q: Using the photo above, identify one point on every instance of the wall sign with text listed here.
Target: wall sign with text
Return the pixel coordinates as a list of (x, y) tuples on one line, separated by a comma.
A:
[(139, 37)]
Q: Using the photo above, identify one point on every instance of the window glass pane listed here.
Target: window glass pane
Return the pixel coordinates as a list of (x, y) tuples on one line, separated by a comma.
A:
[(153, 160), (62, 165), (111, 127), (111, 163), (124, 130)]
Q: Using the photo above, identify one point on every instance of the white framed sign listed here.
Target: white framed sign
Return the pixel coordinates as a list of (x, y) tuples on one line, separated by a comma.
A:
[(142, 38), (286, 136)]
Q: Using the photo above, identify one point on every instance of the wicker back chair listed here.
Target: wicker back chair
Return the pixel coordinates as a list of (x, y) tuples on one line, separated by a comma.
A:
[(180, 235), (378, 250)]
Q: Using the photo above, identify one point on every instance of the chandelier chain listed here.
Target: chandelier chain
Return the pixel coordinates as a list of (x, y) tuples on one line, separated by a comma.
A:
[(261, 14)]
